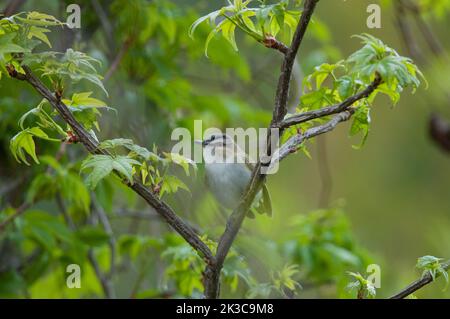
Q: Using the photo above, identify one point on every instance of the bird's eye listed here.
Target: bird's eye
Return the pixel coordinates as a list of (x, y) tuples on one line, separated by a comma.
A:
[(213, 138)]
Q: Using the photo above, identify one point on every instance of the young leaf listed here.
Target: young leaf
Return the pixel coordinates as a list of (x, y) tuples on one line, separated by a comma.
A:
[(84, 99), (22, 143), (103, 165), (171, 184), (39, 33)]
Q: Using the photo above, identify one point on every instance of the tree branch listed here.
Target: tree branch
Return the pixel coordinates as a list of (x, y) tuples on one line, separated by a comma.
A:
[(416, 285), (234, 223), (115, 64), (292, 144), (282, 94), (180, 226), (330, 110)]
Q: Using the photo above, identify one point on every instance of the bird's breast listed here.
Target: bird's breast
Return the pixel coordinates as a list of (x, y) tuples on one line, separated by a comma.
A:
[(227, 182)]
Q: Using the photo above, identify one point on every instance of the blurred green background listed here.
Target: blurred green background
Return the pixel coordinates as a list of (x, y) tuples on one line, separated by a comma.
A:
[(388, 202)]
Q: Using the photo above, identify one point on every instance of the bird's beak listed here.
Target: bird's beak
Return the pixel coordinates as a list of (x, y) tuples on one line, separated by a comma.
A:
[(202, 143)]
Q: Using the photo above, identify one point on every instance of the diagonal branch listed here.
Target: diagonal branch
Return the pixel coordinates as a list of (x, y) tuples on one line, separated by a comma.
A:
[(330, 110), (416, 285), (116, 62), (292, 144), (91, 145)]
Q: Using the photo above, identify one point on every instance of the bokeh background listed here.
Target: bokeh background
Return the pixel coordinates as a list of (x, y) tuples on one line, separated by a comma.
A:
[(387, 203)]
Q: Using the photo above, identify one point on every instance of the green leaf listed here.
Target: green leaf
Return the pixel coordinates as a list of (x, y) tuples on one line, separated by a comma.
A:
[(208, 39), (84, 99), (182, 161), (135, 150), (23, 143), (113, 143), (38, 19), (427, 261), (103, 165), (75, 65), (364, 286), (194, 26), (42, 187), (342, 254), (171, 184), (39, 33), (73, 190), (228, 28), (361, 124), (345, 87), (123, 165)]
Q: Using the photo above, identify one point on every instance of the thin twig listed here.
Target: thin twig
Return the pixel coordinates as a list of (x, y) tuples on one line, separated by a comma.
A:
[(334, 109), (115, 64)]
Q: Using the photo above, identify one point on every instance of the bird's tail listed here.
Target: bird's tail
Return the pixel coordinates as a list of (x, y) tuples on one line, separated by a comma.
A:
[(265, 204)]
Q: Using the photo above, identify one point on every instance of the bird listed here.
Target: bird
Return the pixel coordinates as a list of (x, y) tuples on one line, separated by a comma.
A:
[(228, 172)]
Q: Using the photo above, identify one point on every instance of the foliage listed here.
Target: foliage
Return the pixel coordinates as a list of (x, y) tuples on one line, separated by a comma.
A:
[(260, 23), (322, 243), (364, 287), (432, 265)]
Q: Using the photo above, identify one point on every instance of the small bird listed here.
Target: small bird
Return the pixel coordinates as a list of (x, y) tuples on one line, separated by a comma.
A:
[(228, 172)]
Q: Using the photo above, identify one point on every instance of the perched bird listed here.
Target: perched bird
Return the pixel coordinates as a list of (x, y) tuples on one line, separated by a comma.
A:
[(228, 173)]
